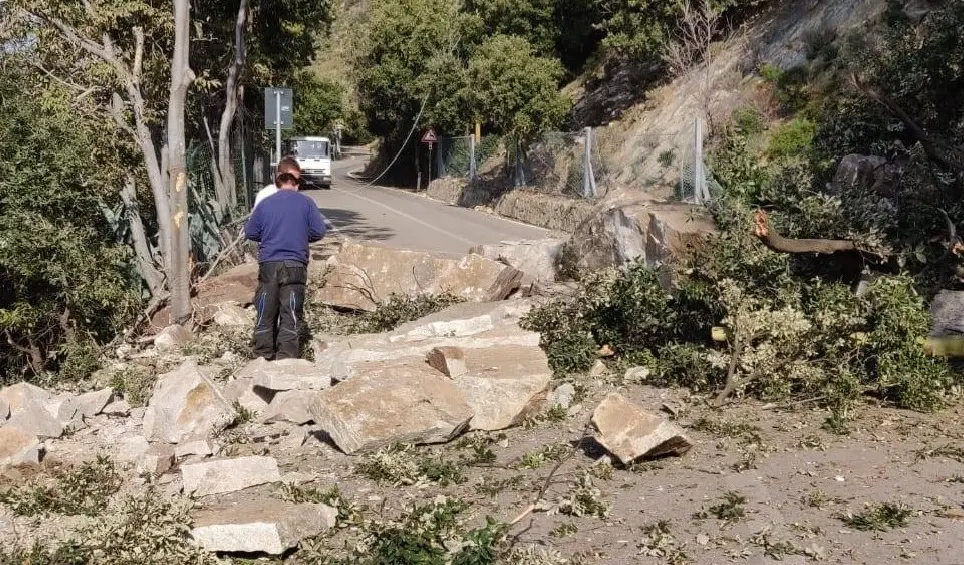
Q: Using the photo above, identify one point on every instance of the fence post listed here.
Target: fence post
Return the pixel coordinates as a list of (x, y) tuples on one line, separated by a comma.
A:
[(439, 160), (588, 176), (699, 175), (472, 164), (520, 177)]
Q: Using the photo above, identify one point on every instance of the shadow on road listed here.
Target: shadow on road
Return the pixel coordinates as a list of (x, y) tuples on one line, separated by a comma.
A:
[(354, 225)]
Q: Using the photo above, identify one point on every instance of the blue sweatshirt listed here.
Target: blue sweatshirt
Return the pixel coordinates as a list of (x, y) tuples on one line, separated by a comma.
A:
[(284, 224)]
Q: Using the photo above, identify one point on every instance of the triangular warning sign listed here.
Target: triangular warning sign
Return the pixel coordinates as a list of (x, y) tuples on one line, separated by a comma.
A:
[(429, 136)]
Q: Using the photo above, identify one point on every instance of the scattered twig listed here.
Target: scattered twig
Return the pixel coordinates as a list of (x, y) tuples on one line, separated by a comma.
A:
[(731, 378)]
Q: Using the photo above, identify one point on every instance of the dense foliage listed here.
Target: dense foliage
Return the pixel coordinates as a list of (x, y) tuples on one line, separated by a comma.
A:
[(793, 325), (64, 281)]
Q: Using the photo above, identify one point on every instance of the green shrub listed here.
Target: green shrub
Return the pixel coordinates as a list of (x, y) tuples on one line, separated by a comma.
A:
[(83, 490), (792, 139), (400, 309)]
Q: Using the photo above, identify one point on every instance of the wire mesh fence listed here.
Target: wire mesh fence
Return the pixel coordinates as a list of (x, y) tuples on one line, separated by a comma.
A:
[(589, 163)]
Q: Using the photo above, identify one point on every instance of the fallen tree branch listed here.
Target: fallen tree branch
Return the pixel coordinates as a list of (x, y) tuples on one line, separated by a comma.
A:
[(764, 230), (217, 260), (732, 382), (950, 346)]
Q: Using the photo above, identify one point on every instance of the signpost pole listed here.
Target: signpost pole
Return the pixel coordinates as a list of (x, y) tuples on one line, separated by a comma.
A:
[(277, 122), (429, 165)]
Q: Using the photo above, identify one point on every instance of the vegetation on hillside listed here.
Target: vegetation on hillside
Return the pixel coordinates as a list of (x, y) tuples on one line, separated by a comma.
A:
[(793, 325)]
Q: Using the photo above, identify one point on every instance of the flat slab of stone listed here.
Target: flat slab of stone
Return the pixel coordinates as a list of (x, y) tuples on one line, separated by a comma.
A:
[(359, 277), (285, 374), (18, 447), (229, 475), (629, 432), (404, 400), (186, 405), (260, 526), (230, 315), (463, 320), (341, 358)]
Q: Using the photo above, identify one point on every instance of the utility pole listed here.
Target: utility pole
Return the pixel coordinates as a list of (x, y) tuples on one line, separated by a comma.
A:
[(277, 125)]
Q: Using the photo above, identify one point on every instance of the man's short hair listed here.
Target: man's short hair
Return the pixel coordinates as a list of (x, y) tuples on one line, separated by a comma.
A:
[(289, 165)]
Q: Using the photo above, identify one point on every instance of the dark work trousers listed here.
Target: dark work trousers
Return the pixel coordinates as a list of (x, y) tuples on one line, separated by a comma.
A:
[(280, 302)]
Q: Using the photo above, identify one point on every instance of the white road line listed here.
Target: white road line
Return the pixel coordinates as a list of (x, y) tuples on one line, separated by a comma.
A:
[(404, 215)]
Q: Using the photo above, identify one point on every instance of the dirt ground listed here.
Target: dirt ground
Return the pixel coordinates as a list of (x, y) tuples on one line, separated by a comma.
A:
[(799, 482)]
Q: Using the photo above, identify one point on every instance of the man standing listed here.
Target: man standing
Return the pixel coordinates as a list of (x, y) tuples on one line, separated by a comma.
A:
[(287, 165), (283, 225)]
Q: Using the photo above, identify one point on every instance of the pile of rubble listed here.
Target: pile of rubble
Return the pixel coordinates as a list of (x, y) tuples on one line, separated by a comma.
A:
[(469, 367)]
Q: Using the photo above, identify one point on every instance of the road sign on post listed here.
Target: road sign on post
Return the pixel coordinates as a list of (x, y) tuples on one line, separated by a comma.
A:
[(430, 138), (278, 109)]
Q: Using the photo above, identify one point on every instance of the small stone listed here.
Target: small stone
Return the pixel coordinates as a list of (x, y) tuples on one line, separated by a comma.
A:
[(202, 447), (598, 369), (450, 361), (230, 315), (18, 447), (157, 460), (172, 337), (290, 406), (249, 397), (629, 432), (563, 395), (636, 374), (117, 408), (260, 526), (229, 475)]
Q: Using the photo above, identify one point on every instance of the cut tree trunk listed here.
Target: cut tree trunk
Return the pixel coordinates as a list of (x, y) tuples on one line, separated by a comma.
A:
[(179, 273), (764, 230)]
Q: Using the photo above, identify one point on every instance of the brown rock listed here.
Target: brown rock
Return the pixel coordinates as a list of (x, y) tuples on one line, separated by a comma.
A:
[(360, 277), (229, 475), (237, 285), (24, 397), (18, 447), (285, 374), (243, 392), (290, 406), (403, 400), (629, 432)]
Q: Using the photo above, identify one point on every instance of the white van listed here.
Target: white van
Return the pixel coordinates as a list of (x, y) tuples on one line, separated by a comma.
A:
[(314, 157)]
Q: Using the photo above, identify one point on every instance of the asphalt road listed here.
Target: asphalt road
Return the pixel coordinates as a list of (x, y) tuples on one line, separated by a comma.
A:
[(404, 220)]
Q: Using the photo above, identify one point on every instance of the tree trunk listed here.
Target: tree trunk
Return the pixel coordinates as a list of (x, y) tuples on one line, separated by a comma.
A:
[(145, 259), (225, 163), (179, 263), (777, 242)]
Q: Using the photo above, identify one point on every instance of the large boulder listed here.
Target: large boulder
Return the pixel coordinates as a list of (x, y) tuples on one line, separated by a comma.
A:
[(260, 526), (24, 396), (947, 313), (629, 432), (172, 338), (536, 258), (629, 225), (186, 405), (403, 400), (503, 384), (359, 277)]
